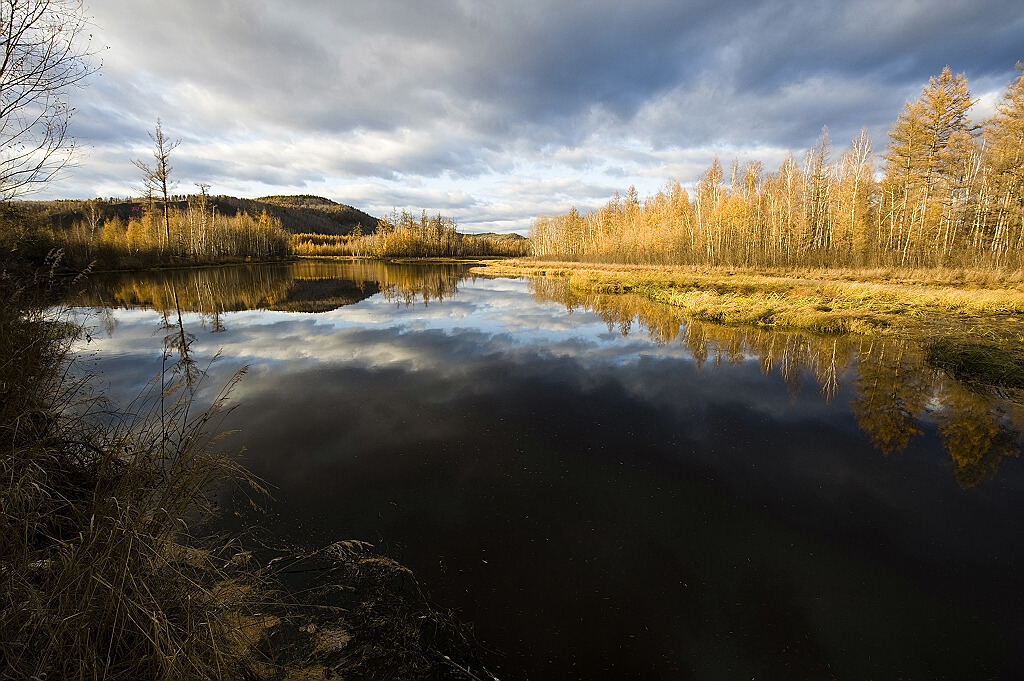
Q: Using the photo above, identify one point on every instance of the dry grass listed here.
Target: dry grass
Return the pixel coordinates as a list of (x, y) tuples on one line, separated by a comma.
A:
[(821, 301), (101, 576)]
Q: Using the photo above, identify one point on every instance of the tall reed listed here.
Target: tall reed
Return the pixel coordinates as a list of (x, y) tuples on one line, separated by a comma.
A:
[(102, 571)]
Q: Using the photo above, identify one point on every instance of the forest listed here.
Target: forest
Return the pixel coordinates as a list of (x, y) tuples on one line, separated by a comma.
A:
[(402, 235), (196, 233), (946, 193), (202, 229)]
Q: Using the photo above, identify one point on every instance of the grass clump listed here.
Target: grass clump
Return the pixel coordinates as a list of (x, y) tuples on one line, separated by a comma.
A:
[(977, 362)]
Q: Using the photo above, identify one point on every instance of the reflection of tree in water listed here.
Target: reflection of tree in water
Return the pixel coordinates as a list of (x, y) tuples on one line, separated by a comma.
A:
[(978, 433), (826, 357), (617, 310), (208, 291), (304, 286), (414, 284), (894, 389), (892, 392)]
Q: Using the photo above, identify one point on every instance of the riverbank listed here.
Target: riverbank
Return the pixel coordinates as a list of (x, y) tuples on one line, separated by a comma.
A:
[(967, 318), (820, 301)]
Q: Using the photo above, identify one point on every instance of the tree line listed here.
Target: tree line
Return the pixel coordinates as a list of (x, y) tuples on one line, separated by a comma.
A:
[(945, 193), (204, 229), (402, 235), (194, 232)]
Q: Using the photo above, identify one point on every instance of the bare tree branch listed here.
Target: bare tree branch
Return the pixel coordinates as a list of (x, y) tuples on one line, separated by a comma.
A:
[(156, 178), (45, 50)]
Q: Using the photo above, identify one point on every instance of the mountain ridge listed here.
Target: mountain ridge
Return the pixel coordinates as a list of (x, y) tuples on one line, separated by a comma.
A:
[(299, 214)]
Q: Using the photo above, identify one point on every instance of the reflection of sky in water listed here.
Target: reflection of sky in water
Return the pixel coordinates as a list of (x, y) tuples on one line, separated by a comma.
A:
[(558, 482), (487, 317)]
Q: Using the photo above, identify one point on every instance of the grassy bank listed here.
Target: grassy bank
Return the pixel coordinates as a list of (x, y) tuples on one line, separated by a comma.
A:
[(971, 321), (820, 301), (101, 574)]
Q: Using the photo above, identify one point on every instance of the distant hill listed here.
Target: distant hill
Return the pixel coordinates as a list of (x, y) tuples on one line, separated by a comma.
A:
[(298, 200), (303, 214), (511, 236), (298, 214)]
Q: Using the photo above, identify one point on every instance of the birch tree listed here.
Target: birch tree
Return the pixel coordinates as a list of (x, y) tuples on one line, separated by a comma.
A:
[(156, 179)]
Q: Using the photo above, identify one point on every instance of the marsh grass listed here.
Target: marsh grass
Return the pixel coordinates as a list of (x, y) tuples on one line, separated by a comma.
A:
[(970, 322), (977, 361), (103, 571), (820, 301)]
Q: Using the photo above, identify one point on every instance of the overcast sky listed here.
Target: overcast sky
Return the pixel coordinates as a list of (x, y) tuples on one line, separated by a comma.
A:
[(492, 112)]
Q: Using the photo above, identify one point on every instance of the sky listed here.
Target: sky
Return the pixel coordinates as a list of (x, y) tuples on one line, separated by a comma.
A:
[(494, 112)]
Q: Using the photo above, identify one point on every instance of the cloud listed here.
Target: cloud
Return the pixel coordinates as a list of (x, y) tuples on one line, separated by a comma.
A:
[(459, 104)]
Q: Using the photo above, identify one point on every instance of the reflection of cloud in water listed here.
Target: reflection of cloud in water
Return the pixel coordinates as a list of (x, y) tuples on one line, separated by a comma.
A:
[(494, 422), (479, 421), (375, 328)]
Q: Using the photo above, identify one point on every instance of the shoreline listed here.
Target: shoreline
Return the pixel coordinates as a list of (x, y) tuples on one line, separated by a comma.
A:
[(820, 301), (970, 326)]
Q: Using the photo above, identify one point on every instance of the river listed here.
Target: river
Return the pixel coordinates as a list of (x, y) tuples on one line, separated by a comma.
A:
[(604, 489)]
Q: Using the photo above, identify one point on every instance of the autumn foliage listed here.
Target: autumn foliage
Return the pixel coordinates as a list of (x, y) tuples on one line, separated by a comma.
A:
[(947, 194), (400, 235), (194, 233)]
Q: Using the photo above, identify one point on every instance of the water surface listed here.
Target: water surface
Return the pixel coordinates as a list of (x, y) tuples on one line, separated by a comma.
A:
[(605, 490)]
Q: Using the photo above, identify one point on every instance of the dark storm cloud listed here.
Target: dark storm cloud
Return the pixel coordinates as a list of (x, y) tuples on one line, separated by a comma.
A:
[(892, 43), (321, 94), (567, 60), (386, 65)]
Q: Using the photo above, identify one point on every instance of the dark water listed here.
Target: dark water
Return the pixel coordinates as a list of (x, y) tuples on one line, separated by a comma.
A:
[(604, 490)]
